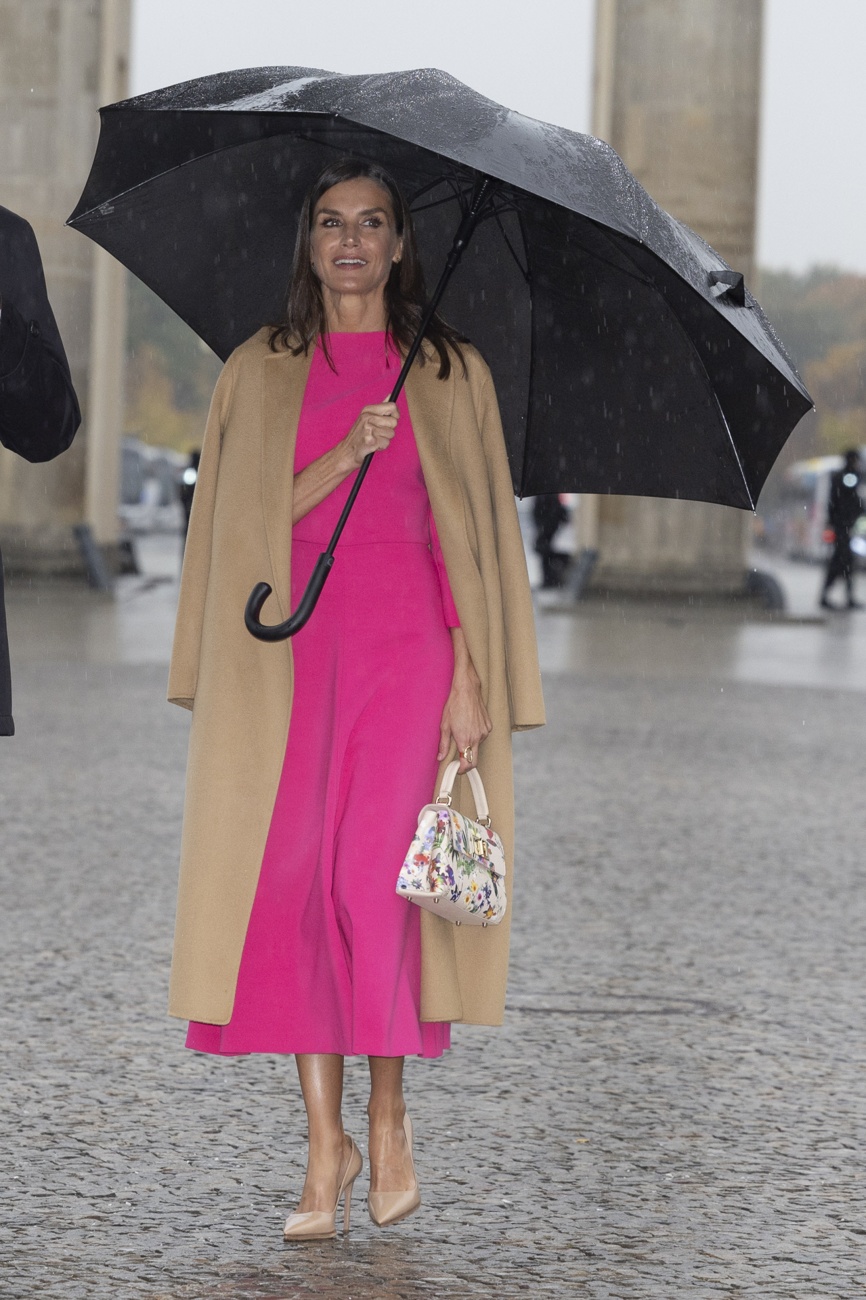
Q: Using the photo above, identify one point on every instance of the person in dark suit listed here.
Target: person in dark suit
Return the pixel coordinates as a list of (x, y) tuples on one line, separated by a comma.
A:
[(844, 508), (549, 514), (39, 411)]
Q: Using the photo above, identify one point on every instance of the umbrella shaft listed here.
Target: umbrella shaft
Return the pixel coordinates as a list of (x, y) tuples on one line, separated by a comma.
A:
[(395, 393)]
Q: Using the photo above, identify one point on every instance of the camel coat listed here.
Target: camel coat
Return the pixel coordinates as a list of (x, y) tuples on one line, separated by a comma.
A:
[(240, 689)]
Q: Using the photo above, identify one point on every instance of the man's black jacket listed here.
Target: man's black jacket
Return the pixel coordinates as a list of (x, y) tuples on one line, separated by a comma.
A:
[(38, 407)]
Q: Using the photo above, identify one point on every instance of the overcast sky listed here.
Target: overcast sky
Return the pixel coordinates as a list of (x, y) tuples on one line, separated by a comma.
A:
[(535, 56)]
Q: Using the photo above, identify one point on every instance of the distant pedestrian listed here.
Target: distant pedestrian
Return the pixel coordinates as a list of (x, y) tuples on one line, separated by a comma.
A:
[(309, 763), (844, 508), (189, 478), (549, 514), (38, 407)]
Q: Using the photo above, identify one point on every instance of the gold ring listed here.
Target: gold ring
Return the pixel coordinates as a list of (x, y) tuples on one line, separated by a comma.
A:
[(466, 754)]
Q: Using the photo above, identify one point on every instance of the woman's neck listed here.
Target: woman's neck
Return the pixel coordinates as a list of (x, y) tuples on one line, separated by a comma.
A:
[(354, 313)]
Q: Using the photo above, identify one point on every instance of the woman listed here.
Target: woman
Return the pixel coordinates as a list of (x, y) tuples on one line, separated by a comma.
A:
[(290, 937)]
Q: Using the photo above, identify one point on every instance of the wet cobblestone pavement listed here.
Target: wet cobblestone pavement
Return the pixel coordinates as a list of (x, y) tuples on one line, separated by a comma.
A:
[(675, 1107)]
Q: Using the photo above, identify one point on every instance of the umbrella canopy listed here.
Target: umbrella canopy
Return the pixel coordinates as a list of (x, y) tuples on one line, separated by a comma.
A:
[(628, 357)]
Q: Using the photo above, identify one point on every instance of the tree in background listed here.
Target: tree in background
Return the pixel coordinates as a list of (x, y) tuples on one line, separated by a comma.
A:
[(837, 381), (821, 316)]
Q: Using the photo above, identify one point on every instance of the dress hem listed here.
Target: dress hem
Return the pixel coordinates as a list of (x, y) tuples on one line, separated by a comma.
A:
[(318, 1050)]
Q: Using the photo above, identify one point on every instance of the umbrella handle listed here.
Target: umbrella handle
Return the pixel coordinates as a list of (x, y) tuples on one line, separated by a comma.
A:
[(306, 605), (259, 594)]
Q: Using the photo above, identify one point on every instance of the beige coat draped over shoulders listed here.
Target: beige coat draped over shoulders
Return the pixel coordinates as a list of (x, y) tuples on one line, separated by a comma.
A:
[(240, 689)]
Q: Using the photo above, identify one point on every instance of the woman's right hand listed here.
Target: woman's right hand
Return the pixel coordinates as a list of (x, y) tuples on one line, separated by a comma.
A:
[(372, 431)]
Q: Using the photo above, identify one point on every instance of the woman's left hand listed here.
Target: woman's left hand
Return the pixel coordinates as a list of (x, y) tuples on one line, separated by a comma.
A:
[(465, 720)]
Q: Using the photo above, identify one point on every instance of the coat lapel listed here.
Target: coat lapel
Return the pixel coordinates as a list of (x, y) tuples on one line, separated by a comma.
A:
[(284, 378)]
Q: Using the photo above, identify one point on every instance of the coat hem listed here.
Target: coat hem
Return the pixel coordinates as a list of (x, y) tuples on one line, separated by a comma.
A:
[(465, 1020)]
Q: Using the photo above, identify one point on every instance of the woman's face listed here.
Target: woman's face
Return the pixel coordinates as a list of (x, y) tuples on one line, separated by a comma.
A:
[(353, 241)]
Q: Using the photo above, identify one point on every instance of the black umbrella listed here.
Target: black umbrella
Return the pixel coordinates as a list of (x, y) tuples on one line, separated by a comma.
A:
[(627, 356)]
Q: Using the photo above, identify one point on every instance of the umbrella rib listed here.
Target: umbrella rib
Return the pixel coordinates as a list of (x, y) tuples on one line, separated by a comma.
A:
[(458, 193), (524, 270), (734, 448), (635, 272), (97, 209), (643, 278), (308, 134), (715, 399), (434, 203)]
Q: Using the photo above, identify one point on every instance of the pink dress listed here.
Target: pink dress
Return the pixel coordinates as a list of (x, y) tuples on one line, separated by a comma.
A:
[(332, 957)]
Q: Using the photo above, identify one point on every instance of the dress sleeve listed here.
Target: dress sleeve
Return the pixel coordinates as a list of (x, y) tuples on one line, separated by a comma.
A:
[(449, 609)]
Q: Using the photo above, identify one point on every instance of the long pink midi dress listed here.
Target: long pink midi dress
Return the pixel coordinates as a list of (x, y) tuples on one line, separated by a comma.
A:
[(332, 956)]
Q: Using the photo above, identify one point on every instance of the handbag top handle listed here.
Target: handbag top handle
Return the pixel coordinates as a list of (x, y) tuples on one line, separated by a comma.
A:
[(482, 812)]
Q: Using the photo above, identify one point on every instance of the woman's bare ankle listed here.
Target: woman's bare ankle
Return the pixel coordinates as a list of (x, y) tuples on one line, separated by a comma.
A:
[(386, 1114), (391, 1168), (327, 1158)]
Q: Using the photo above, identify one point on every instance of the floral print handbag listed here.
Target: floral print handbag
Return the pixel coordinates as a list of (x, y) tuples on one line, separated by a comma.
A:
[(455, 866)]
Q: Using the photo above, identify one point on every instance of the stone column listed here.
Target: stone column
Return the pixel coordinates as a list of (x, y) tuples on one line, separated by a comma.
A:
[(677, 94), (105, 415), (59, 60)]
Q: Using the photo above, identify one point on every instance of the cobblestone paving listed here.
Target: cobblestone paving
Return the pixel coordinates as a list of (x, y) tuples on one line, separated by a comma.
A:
[(673, 1109)]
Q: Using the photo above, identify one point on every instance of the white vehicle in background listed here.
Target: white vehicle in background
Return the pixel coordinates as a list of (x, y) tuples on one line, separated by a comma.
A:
[(805, 493)]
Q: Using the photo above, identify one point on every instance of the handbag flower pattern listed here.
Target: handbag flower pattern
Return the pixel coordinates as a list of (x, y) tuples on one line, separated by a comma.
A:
[(456, 867)]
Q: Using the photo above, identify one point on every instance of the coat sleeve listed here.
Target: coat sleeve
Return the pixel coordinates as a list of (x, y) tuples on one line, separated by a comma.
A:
[(524, 686), (183, 672), (38, 408)]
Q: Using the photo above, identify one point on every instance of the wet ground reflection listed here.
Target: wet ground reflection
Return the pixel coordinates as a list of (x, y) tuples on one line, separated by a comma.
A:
[(346, 1269), (630, 639)]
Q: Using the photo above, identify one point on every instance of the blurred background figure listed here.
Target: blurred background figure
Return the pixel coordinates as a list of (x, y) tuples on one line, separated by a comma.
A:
[(38, 408), (549, 515), (844, 508), (187, 491)]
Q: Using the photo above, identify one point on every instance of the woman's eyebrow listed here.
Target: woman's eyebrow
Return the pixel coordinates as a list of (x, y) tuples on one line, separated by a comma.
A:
[(335, 212)]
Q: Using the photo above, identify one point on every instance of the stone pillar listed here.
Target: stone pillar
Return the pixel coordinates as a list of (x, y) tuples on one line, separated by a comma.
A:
[(105, 414), (59, 60), (677, 92)]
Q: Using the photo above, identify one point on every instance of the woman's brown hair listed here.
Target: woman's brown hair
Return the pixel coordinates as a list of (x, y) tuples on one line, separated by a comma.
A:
[(405, 293)]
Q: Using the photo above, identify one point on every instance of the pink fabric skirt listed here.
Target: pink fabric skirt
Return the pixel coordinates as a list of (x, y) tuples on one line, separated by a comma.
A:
[(332, 957)]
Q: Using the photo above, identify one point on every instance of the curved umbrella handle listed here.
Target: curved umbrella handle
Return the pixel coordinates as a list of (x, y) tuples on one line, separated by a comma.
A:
[(306, 605)]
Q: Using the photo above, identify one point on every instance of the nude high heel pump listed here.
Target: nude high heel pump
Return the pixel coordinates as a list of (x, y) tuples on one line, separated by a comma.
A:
[(391, 1207), (319, 1225)]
